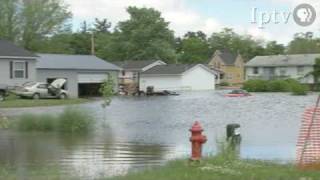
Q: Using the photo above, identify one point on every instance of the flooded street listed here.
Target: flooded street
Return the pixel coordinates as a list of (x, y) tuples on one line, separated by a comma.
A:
[(139, 132)]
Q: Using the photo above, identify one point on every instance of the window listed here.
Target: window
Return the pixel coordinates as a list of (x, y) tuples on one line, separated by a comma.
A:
[(123, 73), (300, 69), (230, 76), (42, 86), (283, 71), (255, 70), (19, 69)]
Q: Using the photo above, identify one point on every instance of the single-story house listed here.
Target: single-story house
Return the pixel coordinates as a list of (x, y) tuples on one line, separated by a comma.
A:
[(298, 66), (84, 73), (131, 69), (178, 77), (17, 65)]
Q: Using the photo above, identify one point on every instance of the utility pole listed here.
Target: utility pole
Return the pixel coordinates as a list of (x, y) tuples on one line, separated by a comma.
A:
[(92, 44)]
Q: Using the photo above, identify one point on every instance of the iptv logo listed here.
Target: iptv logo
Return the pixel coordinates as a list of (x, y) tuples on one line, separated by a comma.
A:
[(303, 15)]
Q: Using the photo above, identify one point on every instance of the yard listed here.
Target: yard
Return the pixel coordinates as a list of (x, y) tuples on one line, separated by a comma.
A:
[(219, 167), (215, 168), (15, 102)]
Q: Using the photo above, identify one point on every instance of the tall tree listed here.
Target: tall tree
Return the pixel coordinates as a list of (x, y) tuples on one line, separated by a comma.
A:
[(193, 48), (102, 26), (9, 20), (243, 44), (30, 21), (304, 43), (273, 48), (145, 35)]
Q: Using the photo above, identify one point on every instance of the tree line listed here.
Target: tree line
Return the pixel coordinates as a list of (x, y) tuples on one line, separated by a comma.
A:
[(44, 26)]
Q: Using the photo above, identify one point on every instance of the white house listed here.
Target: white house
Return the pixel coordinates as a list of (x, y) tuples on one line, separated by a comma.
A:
[(179, 77), (298, 66), (131, 69)]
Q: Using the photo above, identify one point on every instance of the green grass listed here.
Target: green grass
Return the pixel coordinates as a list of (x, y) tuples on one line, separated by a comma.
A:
[(14, 102), (72, 120), (34, 173), (218, 168)]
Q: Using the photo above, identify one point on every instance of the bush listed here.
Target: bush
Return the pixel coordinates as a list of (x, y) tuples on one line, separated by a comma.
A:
[(289, 85), (30, 122), (75, 121), (70, 121), (255, 85), (297, 88), (224, 84), (278, 86)]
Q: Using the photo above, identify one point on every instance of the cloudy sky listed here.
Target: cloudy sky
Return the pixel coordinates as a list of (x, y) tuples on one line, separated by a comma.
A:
[(206, 15)]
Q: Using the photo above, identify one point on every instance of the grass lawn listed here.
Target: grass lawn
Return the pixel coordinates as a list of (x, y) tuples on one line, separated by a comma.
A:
[(209, 169), (218, 168), (14, 102)]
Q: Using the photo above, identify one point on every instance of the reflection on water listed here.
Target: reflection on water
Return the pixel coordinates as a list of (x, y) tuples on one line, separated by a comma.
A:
[(148, 131)]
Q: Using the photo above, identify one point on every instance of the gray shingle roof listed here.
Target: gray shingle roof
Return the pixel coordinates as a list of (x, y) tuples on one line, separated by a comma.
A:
[(136, 65), (78, 62), (284, 60), (171, 69), (227, 57), (9, 49)]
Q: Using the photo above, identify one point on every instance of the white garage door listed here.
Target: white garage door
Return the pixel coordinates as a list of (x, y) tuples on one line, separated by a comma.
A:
[(91, 78)]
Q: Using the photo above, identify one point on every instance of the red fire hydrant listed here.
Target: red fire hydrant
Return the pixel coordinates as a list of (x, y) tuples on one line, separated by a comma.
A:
[(197, 139)]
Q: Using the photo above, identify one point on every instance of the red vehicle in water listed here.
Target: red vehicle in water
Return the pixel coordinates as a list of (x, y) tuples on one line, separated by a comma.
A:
[(238, 93)]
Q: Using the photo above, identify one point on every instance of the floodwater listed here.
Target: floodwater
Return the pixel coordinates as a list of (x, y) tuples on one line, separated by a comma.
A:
[(140, 132)]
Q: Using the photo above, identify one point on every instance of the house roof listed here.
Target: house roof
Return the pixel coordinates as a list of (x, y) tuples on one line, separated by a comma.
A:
[(8, 49), (79, 62), (172, 69), (137, 65), (284, 60), (227, 56)]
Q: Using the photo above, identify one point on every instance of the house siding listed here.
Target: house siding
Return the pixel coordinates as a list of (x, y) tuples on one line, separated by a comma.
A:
[(233, 74), (196, 78), (5, 72), (291, 72), (161, 82), (71, 76)]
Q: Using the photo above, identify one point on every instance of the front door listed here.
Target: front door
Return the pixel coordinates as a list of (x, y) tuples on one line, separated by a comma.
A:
[(268, 73)]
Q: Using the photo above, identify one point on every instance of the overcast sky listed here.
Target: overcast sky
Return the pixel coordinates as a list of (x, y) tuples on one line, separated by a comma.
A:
[(205, 15)]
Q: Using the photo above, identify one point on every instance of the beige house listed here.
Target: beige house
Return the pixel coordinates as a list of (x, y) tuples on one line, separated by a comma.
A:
[(232, 65)]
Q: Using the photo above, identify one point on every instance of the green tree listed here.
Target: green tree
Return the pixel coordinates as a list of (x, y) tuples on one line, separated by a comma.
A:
[(30, 21), (193, 48), (9, 20), (102, 26), (304, 43), (243, 44), (316, 74), (145, 35), (273, 48)]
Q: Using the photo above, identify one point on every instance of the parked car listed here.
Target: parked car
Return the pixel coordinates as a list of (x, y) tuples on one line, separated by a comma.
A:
[(37, 90), (238, 93), (3, 92)]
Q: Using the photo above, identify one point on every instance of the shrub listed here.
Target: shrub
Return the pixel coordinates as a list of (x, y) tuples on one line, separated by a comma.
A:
[(224, 84), (255, 85), (75, 121), (297, 88), (30, 122), (278, 86), (70, 121)]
